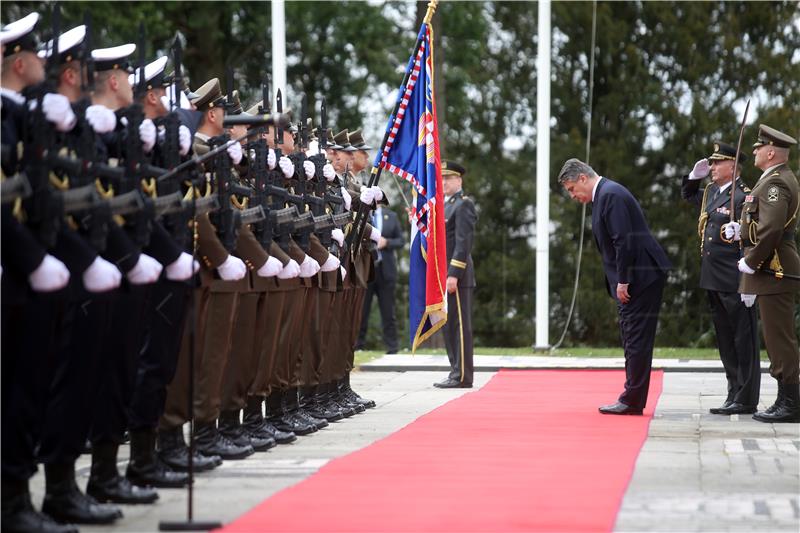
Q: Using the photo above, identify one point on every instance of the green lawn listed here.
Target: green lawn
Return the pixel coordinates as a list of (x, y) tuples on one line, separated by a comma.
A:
[(659, 353)]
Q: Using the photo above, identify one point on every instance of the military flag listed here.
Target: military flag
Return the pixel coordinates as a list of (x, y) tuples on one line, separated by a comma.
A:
[(411, 151)]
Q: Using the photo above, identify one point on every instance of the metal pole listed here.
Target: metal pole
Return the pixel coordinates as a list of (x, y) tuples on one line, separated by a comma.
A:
[(542, 288), (278, 47)]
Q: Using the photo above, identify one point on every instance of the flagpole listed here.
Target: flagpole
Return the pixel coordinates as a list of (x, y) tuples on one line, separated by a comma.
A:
[(360, 225)]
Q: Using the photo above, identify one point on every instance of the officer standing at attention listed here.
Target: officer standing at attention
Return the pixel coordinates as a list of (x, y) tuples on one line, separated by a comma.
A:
[(460, 218), (771, 265), (735, 322)]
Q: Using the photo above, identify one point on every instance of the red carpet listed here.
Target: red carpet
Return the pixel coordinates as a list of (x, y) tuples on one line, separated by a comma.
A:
[(527, 452)]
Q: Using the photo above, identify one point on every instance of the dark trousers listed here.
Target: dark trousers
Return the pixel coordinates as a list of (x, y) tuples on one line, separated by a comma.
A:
[(458, 334), (780, 336), (637, 324), (384, 289), (31, 334), (167, 309), (79, 371), (119, 364), (736, 327)]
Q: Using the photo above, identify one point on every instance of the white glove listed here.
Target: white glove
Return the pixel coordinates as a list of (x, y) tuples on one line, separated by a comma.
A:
[(347, 199), (271, 268), (748, 299), (145, 271), (377, 192), (367, 195), (271, 159), (235, 151), (58, 110), (733, 231), (309, 267), (102, 119), (330, 264), (700, 170), (375, 234), (291, 270), (308, 166), (328, 172), (182, 268), (233, 269), (101, 276), (287, 167), (184, 139), (50, 275), (147, 133), (344, 272), (743, 268), (338, 235)]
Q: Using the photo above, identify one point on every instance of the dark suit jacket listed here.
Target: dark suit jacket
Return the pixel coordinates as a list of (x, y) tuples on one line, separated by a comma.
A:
[(629, 251), (393, 233), (460, 218), (718, 270)]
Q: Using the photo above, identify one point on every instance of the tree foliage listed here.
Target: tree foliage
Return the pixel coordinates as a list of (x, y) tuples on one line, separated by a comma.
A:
[(670, 78)]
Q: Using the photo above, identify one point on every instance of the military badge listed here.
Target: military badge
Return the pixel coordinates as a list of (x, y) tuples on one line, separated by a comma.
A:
[(748, 198), (772, 194)]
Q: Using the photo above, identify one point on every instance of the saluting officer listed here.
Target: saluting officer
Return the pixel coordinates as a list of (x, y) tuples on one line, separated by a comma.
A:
[(771, 265), (460, 218), (735, 322)]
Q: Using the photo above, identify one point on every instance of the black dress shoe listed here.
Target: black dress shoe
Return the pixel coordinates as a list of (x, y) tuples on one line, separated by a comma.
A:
[(619, 408), (450, 383), (736, 408), (718, 410), (119, 490)]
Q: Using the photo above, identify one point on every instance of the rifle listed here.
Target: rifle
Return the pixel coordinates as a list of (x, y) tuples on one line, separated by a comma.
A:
[(15, 188), (44, 208), (227, 218), (137, 166)]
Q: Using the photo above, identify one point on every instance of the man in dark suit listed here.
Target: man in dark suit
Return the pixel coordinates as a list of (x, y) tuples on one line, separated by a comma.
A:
[(636, 268), (735, 321), (460, 218), (385, 220)]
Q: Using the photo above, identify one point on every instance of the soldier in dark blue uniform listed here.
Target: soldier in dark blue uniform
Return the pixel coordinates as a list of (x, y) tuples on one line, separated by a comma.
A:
[(735, 322), (460, 217)]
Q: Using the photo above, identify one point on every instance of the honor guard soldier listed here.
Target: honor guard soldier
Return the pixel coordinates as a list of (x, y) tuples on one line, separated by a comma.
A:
[(771, 265), (32, 288), (735, 322), (460, 218)]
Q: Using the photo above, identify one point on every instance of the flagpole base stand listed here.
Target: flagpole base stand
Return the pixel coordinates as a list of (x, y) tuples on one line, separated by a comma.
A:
[(541, 349), (190, 525)]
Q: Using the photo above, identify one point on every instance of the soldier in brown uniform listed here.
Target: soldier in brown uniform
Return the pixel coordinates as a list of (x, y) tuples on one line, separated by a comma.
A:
[(223, 276), (771, 265)]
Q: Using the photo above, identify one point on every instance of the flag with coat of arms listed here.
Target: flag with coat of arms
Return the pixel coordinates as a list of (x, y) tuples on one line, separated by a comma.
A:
[(411, 151)]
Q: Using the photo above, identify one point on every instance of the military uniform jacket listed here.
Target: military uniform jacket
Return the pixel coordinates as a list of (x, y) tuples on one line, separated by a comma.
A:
[(769, 229), (460, 218), (718, 270)]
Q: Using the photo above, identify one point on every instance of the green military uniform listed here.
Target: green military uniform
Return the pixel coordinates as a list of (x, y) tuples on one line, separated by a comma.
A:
[(768, 233)]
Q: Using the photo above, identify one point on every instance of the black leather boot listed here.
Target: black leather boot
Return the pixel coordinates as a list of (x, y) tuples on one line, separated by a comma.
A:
[(254, 421), (146, 469), (231, 427), (345, 396), (304, 403), (19, 516), (788, 408), (331, 400), (314, 401), (65, 503), (173, 451), (105, 483), (350, 393), (778, 400), (282, 417), (208, 441)]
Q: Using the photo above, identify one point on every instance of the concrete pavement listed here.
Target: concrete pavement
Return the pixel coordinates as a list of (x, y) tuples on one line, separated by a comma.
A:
[(696, 472)]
